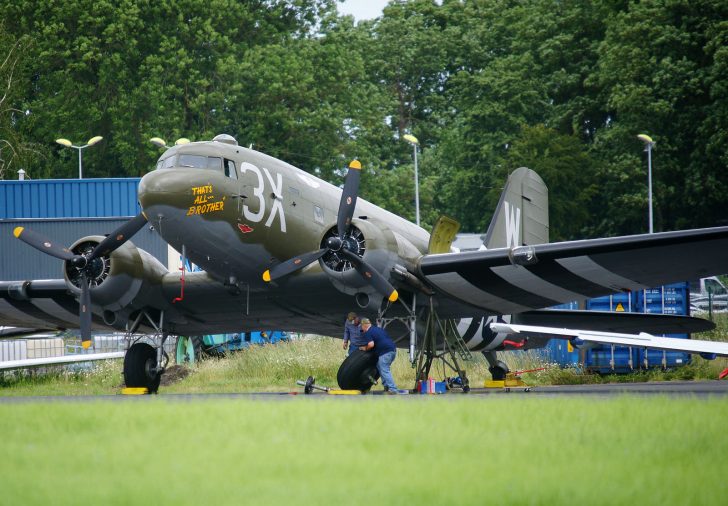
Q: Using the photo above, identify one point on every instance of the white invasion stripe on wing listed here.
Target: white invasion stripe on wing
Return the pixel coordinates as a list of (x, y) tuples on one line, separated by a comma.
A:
[(526, 280), (459, 287), (12, 316), (590, 270), (53, 309)]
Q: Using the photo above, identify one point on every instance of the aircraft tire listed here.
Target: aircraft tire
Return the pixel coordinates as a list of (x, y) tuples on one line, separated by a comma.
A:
[(498, 372), (355, 372), (139, 363)]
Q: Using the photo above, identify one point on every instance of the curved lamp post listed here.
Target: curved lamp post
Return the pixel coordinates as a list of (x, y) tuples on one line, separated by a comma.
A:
[(648, 147), (68, 144), (161, 143), (415, 143)]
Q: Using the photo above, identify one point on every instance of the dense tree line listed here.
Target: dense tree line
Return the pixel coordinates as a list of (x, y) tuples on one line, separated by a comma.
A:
[(487, 86)]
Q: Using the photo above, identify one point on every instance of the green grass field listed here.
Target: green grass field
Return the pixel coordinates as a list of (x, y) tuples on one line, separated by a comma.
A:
[(376, 450), (453, 449)]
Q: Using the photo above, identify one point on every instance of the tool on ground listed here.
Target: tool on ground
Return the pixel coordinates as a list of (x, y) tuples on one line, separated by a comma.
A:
[(310, 384)]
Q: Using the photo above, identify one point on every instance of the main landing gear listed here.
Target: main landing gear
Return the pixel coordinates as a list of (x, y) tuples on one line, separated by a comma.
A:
[(145, 360)]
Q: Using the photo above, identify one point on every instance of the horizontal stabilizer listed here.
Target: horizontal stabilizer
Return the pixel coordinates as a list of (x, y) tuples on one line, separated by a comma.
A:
[(642, 340), (608, 321)]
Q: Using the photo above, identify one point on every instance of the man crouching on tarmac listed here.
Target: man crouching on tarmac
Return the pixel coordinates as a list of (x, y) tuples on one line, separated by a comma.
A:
[(385, 349)]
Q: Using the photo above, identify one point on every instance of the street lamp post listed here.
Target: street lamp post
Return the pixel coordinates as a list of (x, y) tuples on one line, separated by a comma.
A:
[(415, 143), (648, 147), (69, 144), (161, 143)]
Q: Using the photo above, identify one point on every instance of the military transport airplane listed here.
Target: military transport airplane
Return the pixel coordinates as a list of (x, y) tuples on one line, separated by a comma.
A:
[(283, 249)]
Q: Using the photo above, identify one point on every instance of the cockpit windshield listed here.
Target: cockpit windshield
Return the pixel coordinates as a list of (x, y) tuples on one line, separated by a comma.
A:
[(217, 163)]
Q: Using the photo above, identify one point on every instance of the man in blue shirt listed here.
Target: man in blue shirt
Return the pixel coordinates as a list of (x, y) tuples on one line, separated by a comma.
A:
[(352, 333), (378, 339)]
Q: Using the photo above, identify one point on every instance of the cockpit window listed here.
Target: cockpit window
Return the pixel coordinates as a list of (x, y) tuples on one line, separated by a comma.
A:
[(193, 161), (230, 169), (214, 162)]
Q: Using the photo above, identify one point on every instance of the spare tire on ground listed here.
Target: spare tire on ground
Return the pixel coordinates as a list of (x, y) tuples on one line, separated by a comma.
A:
[(358, 371)]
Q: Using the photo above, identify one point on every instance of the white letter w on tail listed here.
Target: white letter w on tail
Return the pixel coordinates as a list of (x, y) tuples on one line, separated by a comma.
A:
[(513, 225)]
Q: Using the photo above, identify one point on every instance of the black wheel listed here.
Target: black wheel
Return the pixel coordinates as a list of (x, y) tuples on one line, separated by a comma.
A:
[(139, 368), (499, 371), (466, 389), (357, 371)]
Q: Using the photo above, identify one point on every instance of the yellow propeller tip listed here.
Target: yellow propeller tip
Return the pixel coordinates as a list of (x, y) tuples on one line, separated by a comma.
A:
[(18, 231), (355, 164), (393, 296), (86, 344), (266, 276)]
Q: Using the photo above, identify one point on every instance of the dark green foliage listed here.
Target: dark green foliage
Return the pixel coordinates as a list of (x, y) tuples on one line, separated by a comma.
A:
[(487, 86)]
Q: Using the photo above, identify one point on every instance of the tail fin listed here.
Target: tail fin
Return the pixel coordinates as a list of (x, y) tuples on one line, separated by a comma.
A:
[(522, 215)]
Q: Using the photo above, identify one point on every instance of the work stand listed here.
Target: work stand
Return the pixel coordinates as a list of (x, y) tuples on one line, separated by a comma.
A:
[(423, 354), (452, 346)]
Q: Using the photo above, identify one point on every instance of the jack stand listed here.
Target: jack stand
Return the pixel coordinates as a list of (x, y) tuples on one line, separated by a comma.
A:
[(451, 342)]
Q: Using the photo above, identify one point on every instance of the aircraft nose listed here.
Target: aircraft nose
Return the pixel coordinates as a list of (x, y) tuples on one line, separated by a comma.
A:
[(151, 185), (162, 187)]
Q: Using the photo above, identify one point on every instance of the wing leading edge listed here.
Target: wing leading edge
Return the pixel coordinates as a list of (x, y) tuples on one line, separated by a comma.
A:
[(513, 280)]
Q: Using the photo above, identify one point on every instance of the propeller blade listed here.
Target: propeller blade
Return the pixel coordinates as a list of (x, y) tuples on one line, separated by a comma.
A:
[(85, 312), (292, 265), (348, 198), (42, 243), (119, 236), (373, 276)]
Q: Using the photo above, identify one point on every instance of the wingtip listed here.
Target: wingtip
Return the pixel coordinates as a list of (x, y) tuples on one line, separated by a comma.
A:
[(266, 276), (393, 296), (17, 231)]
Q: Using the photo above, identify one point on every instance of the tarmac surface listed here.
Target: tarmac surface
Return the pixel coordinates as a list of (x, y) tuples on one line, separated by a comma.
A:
[(698, 389)]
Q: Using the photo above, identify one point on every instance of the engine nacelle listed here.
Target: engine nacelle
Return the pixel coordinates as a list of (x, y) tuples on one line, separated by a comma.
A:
[(127, 279), (379, 247)]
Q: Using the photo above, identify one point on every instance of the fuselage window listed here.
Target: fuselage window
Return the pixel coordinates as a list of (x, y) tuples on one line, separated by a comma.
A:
[(230, 169)]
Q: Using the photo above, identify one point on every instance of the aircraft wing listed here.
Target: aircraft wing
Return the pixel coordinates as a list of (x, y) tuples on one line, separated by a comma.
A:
[(41, 304), (642, 339), (518, 279)]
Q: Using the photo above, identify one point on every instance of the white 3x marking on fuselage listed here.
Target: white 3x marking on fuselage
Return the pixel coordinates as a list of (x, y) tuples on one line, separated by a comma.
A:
[(258, 193)]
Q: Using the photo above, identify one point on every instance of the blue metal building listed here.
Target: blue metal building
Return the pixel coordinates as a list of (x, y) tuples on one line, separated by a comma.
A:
[(65, 210), (668, 299), (69, 198)]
